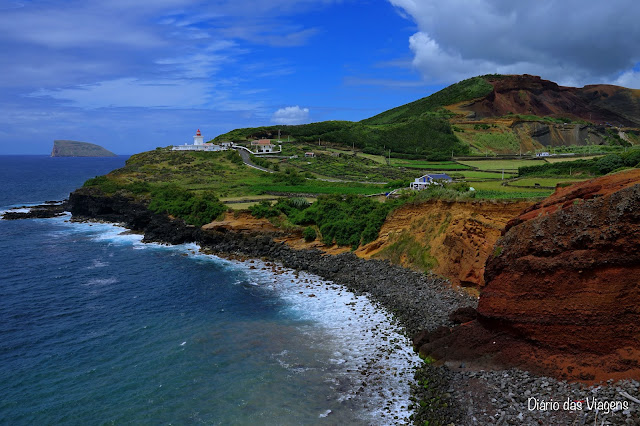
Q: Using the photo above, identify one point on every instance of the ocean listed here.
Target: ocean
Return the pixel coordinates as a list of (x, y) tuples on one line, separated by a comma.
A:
[(97, 327)]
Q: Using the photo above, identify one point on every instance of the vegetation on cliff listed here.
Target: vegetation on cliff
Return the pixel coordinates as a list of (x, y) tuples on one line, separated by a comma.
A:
[(66, 148)]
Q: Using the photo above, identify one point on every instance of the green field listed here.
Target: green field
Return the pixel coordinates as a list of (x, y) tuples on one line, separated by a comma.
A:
[(495, 190), (499, 165), (569, 158), (428, 165), (472, 174), (543, 181)]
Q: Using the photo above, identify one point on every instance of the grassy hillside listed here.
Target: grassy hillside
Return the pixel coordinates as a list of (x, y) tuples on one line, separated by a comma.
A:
[(490, 114), (427, 135), (420, 128), (465, 90)]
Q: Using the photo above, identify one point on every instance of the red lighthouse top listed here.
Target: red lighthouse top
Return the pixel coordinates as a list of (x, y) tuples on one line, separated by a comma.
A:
[(198, 133)]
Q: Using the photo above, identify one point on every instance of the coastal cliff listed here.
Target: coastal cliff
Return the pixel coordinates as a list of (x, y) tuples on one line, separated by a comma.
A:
[(419, 300), (562, 291), (451, 238), (452, 393), (66, 148)]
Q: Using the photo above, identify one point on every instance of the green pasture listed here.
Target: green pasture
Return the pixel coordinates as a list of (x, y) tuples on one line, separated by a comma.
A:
[(499, 165), (543, 181)]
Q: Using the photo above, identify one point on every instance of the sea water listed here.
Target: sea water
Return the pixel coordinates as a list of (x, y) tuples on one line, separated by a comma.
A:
[(97, 327)]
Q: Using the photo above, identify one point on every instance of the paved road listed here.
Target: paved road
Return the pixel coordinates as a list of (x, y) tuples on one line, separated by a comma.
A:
[(246, 159)]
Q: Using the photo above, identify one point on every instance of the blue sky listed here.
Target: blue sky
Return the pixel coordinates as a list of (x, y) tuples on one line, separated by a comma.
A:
[(134, 75)]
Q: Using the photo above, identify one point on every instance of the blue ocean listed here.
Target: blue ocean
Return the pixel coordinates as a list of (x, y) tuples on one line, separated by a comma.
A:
[(97, 327)]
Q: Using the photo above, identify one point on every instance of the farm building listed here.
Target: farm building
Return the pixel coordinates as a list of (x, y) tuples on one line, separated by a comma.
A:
[(432, 179)]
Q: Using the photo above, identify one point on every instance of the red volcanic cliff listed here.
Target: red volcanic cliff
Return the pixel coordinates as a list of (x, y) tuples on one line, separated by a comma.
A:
[(562, 293), (528, 94)]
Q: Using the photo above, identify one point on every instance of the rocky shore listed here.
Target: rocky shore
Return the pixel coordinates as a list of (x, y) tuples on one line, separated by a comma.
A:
[(442, 394)]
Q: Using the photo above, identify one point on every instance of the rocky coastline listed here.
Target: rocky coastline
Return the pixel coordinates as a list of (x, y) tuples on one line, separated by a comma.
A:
[(442, 394)]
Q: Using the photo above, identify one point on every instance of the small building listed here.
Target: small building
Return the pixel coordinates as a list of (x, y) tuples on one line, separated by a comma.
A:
[(200, 145), (309, 154), (262, 146), (432, 179)]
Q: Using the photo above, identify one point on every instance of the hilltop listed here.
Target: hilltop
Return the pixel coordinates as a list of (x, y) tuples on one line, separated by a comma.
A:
[(498, 114), (66, 148)]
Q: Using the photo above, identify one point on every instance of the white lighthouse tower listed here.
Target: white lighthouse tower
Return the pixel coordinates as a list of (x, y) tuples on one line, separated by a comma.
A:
[(198, 139)]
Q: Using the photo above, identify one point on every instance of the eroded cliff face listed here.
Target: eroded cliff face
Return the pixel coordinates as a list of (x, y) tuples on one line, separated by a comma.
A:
[(453, 239), (562, 293)]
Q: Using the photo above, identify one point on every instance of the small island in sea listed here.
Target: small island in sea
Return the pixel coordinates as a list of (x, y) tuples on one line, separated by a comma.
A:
[(66, 148)]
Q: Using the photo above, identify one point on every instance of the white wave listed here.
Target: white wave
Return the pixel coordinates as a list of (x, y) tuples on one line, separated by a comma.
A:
[(101, 281), (97, 263), (362, 336)]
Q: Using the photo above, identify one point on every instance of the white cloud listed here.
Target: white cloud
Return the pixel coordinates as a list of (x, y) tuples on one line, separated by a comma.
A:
[(291, 115), (567, 41), (630, 79)]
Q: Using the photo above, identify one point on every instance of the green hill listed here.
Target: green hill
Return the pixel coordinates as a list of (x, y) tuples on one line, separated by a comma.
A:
[(499, 114), (466, 90), (65, 148)]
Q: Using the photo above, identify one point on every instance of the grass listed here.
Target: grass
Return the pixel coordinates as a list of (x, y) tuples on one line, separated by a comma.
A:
[(330, 188), (497, 142), (495, 190), (405, 249), (428, 165), (543, 181), (484, 175), (569, 158), (471, 88), (499, 165)]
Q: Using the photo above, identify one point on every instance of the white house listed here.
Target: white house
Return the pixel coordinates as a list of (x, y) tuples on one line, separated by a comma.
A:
[(199, 145), (264, 146), (433, 179)]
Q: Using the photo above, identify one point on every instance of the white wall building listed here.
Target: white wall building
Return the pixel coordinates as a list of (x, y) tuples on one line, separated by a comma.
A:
[(434, 179), (199, 145)]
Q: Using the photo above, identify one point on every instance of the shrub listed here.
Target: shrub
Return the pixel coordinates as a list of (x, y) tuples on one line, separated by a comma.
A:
[(233, 156), (348, 220), (264, 209), (309, 234), (106, 185), (631, 158), (288, 177), (194, 209), (609, 163)]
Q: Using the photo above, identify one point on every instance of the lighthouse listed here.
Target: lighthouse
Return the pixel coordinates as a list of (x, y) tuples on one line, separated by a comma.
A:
[(198, 139)]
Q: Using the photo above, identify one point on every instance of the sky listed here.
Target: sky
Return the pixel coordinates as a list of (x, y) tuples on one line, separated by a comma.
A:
[(135, 75)]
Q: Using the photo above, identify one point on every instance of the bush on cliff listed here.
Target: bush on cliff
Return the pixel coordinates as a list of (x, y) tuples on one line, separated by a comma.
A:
[(194, 209), (309, 234), (350, 220), (609, 163)]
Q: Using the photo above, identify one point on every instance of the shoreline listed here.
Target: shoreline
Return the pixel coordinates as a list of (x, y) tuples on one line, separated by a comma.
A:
[(416, 300), (369, 346), (442, 394)]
